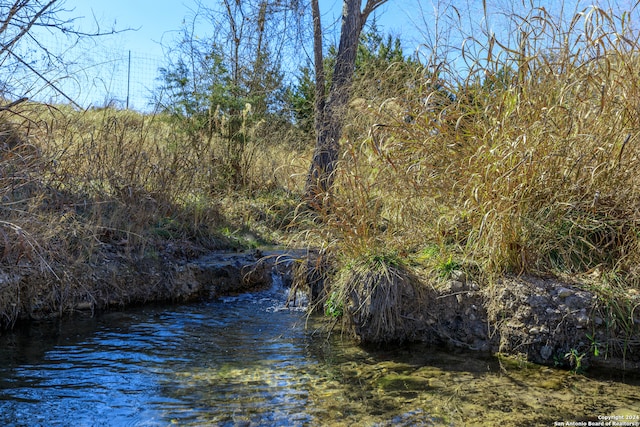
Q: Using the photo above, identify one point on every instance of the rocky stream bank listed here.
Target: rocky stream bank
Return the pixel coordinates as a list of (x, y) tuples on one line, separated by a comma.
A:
[(543, 320), (119, 281)]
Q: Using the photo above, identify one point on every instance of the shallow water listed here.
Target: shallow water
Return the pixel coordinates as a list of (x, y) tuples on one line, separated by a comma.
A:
[(247, 360)]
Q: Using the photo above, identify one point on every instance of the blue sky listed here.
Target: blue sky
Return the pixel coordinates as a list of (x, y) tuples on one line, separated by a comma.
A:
[(108, 75), (152, 20), (103, 72), (155, 20)]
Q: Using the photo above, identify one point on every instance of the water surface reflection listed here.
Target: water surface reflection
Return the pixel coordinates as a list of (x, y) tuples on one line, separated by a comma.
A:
[(249, 361)]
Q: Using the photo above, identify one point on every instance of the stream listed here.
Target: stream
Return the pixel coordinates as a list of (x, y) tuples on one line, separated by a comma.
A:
[(250, 361)]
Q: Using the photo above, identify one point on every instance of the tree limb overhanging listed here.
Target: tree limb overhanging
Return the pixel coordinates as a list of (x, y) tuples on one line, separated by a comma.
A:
[(25, 26)]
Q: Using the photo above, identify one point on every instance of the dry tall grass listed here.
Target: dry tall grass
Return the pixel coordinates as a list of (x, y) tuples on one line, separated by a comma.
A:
[(81, 189), (527, 163)]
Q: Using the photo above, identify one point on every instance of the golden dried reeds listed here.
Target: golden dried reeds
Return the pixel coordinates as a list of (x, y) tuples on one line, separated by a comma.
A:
[(529, 162)]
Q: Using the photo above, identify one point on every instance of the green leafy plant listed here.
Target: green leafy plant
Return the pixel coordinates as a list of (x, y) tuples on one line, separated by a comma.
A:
[(386, 259), (334, 306), (594, 345), (447, 267), (574, 357)]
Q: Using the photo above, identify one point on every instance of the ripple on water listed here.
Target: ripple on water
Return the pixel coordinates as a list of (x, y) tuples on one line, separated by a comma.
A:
[(248, 360)]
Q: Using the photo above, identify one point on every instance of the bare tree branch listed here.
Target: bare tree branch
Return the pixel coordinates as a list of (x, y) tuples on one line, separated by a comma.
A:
[(18, 21), (24, 29), (11, 15), (49, 83), (13, 104), (370, 7)]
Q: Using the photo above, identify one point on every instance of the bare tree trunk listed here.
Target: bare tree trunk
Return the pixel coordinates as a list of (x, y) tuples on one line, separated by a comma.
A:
[(319, 65), (330, 111)]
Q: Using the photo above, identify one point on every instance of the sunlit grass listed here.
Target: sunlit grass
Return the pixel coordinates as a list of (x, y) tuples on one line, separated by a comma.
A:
[(528, 163), (79, 188)]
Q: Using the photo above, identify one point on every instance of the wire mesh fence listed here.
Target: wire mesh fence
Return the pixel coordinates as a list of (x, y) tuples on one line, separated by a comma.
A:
[(122, 79), (128, 79), (84, 74)]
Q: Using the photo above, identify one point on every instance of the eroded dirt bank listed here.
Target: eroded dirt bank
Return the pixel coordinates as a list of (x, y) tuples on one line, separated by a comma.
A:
[(546, 321), (120, 281)]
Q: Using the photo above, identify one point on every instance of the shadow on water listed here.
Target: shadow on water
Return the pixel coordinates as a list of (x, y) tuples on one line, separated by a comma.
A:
[(247, 360)]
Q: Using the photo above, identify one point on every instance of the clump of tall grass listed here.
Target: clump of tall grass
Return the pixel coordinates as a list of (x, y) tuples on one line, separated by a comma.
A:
[(131, 173), (537, 160), (382, 298), (526, 163)]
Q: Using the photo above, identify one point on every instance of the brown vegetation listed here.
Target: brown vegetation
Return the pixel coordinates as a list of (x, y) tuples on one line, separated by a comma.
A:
[(89, 198), (528, 164)]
